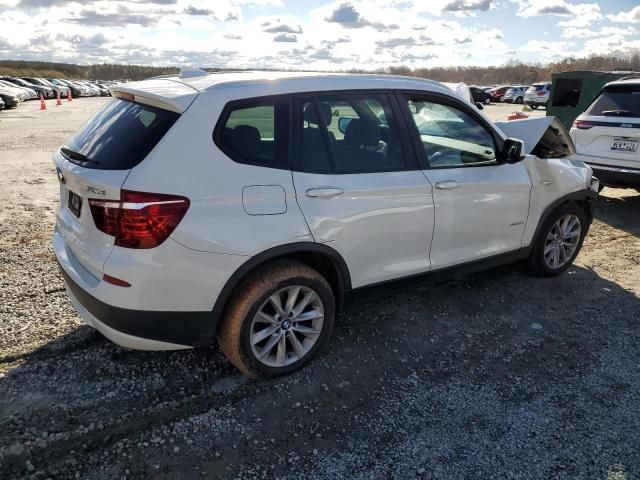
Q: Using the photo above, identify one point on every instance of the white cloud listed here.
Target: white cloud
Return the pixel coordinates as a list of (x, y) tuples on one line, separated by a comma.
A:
[(632, 16)]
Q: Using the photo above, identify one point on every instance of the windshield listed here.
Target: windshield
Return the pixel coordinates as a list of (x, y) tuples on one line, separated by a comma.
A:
[(617, 101)]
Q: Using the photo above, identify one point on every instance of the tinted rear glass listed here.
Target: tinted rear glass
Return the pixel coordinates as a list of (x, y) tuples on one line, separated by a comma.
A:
[(121, 134), (617, 101)]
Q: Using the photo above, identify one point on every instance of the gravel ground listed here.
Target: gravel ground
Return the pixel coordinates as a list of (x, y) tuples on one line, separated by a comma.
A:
[(494, 376)]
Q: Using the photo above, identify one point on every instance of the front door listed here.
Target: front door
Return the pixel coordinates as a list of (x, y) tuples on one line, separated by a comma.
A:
[(358, 189), (481, 205)]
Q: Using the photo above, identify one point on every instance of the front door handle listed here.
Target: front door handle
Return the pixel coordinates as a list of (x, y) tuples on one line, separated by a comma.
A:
[(447, 185), (324, 192)]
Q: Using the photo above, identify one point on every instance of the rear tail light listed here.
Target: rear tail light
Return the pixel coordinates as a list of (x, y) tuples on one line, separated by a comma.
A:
[(582, 125), (115, 281), (541, 94), (138, 219)]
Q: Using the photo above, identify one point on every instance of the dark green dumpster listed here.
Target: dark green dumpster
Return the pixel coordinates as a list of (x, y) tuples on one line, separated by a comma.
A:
[(572, 92)]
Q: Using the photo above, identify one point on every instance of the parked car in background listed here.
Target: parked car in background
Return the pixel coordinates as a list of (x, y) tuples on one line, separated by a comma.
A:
[(498, 92), (515, 94), (153, 263), (77, 90), (537, 95), (10, 97), (41, 81), (607, 134), (479, 95), (20, 92), (46, 92)]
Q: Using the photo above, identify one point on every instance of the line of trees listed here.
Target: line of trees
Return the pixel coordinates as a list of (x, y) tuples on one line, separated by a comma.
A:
[(512, 72)]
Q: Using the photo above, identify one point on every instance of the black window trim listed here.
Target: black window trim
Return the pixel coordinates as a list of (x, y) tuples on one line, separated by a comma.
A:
[(443, 99), (283, 148), (408, 148)]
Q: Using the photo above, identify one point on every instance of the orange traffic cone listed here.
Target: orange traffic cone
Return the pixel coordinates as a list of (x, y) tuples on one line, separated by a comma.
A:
[(69, 95), (43, 106), (58, 101)]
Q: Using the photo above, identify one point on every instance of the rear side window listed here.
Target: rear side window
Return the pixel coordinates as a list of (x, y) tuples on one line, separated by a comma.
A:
[(255, 132), (349, 133), (567, 92), (121, 135), (617, 101)]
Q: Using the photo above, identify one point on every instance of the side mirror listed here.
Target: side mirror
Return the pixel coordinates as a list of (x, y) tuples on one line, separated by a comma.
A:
[(479, 106), (343, 123), (512, 150)]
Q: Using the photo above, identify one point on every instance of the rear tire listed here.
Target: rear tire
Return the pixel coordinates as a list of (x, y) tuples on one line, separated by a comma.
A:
[(519, 100), (559, 241), (277, 321), (534, 107)]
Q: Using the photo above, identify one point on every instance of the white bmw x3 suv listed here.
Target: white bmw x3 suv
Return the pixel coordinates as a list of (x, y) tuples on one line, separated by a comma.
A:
[(251, 206), (607, 134)]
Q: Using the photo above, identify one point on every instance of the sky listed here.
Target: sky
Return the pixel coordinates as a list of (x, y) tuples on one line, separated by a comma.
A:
[(315, 34)]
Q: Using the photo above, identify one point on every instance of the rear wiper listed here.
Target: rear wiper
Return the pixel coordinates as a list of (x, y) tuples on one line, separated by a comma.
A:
[(66, 151), (616, 113)]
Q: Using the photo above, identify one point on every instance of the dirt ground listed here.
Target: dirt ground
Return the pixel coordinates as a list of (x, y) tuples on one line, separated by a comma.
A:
[(494, 376)]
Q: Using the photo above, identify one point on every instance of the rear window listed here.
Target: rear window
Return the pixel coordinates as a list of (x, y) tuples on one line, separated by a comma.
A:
[(540, 88), (121, 135), (617, 101)]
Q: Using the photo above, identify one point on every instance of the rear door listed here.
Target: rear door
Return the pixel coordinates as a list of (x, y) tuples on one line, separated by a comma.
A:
[(610, 128), (95, 163), (359, 187), (481, 205)]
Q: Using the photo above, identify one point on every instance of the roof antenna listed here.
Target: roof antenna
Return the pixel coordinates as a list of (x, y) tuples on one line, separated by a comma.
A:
[(190, 72)]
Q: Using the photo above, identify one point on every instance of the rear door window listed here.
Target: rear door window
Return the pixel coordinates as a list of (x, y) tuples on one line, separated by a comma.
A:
[(120, 135), (255, 131), (617, 101)]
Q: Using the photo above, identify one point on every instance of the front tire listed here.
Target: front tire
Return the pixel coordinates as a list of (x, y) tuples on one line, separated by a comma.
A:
[(519, 100), (533, 107), (559, 241), (281, 316)]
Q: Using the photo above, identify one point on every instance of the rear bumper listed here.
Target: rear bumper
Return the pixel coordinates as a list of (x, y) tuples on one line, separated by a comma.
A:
[(171, 300), (138, 329), (613, 175)]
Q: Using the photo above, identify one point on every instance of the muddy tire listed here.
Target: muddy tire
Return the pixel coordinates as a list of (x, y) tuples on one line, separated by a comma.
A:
[(559, 241), (279, 318)]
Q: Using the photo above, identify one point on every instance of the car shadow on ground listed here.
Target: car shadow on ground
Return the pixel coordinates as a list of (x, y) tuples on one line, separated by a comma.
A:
[(520, 337), (619, 211)]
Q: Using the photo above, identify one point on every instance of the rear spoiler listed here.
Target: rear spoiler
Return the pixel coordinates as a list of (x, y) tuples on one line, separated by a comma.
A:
[(162, 93)]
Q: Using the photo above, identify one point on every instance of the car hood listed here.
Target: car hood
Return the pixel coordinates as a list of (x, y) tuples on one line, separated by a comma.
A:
[(529, 130)]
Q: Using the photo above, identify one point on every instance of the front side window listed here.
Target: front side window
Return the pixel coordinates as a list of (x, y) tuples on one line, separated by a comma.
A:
[(349, 133), (254, 132), (450, 137)]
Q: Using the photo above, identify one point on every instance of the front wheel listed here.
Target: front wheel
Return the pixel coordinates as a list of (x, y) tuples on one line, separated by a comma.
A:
[(278, 320), (559, 241), (533, 106), (519, 100)]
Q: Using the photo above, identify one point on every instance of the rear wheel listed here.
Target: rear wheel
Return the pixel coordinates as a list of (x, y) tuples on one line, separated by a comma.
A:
[(533, 106), (279, 319), (559, 241), (519, 100)]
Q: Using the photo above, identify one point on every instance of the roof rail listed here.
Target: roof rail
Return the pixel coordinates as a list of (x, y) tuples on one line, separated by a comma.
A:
[(630, 77)]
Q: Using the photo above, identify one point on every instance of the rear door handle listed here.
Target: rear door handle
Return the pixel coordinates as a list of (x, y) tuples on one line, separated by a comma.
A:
[(447, 185), (324, 192)]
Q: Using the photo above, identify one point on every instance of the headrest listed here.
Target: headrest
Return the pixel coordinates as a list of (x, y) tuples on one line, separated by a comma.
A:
[(361, 132), (309, 114), (246, 141)]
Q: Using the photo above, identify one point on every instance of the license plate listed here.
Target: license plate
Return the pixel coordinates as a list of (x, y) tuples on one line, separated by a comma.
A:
[(624, 145), (74, 204)]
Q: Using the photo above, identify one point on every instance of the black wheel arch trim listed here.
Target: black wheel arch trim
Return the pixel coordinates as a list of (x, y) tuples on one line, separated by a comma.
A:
[(283, 251), (586, 195)]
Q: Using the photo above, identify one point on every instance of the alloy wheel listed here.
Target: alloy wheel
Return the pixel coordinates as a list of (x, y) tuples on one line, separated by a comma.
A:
[(287, 326), (562, 241)]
